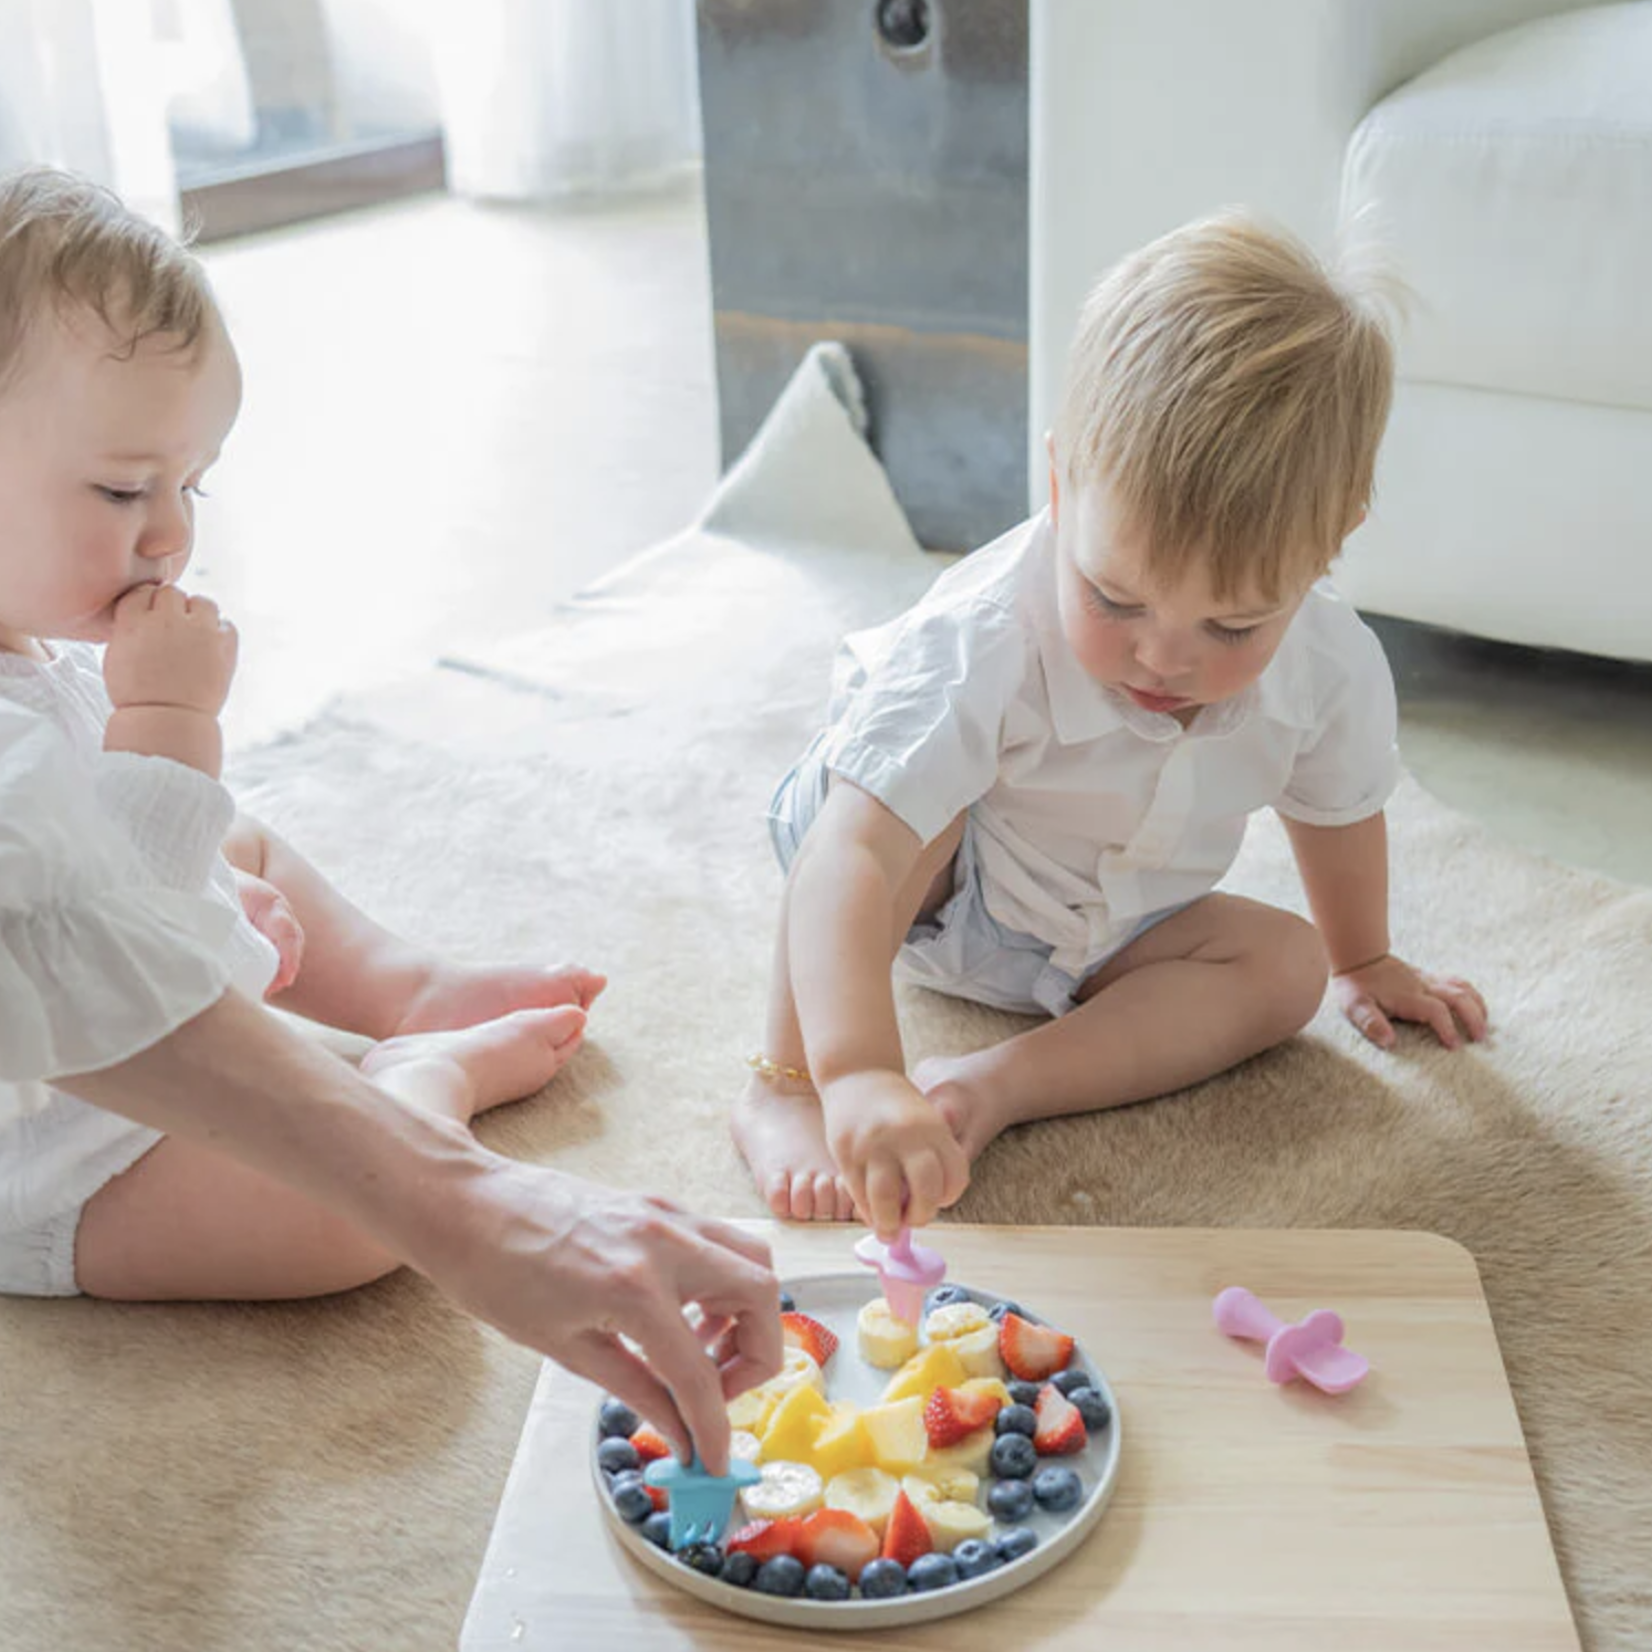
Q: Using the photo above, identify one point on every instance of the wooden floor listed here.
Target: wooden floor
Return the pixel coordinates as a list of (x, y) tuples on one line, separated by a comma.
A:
[(457, 415)]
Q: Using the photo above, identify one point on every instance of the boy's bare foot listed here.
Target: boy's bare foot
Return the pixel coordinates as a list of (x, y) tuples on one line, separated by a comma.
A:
[(974, 1113), (464, 1072), (463, 995), (783, 1140)]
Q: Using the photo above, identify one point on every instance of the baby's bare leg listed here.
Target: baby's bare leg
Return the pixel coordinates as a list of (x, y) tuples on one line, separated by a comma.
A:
[(360, 977), (778, 1125), (1224, 979), (187, 1223)]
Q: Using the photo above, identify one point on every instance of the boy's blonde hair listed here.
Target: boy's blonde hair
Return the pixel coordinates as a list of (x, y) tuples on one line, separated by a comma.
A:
[(1231, 391), (71, 244)]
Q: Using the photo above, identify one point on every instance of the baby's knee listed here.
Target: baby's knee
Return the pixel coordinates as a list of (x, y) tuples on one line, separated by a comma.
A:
[(1294, 956)]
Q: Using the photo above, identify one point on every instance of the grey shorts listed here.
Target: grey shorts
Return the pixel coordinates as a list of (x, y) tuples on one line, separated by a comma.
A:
[(961, 949)]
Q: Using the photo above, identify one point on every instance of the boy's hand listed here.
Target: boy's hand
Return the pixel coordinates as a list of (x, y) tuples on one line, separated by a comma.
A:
[(1377, 994), (899, 1159), (169, 650), (268, 912)]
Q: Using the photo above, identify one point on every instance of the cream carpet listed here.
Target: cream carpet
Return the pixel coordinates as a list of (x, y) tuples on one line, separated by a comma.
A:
[(325, 1475)]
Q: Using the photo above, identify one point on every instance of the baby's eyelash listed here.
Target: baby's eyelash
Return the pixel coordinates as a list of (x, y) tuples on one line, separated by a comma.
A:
[(121, 496), (1233, 633), (1105, 605)]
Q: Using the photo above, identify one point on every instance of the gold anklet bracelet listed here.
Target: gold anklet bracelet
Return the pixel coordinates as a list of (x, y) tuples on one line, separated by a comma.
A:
[(772, 1070)]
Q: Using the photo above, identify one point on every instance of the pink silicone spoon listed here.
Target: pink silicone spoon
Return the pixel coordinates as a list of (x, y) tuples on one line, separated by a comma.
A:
[(1312, 1349), (906, 1270)]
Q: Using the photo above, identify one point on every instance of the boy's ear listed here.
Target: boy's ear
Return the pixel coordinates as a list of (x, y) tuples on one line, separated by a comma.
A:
[(1359, 516), (1055, 482)]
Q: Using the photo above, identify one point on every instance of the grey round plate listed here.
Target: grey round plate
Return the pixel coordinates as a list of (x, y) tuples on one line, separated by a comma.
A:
[(836, 1300)]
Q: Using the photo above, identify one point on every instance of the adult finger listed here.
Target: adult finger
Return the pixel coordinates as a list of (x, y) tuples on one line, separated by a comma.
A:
[(679, 1361), (735, 1238), (603, 1359)]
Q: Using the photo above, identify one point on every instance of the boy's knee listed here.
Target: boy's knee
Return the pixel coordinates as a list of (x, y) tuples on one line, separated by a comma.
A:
[(1295, 956)]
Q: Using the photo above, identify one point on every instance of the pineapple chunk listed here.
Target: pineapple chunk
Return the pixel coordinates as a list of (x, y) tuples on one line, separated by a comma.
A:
[(971, 1452), (936, 1367), (790, 1434), (752, 1410), (841, 1443), (897, 1434)]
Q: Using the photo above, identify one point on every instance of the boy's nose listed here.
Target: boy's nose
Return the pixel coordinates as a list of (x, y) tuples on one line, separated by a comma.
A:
[(1163, 656)]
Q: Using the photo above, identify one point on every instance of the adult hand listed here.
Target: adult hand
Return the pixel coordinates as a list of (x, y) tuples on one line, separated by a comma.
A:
[(896, 1154), (601, 1281), (1377, 994)]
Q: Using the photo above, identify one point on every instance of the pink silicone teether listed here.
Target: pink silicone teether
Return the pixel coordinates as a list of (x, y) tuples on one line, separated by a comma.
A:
[(1312, 1349), (907, 1272)]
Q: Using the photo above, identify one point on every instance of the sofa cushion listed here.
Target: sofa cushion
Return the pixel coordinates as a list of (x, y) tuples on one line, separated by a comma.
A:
[(1513, 183)]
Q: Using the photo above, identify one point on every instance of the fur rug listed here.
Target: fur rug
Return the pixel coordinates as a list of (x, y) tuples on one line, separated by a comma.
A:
[(325, 1475)]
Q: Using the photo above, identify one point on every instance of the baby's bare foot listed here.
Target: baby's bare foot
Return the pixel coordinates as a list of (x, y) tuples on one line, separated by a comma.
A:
[(968, 1107), (783, 1140), (464, 1072), (464, 995)]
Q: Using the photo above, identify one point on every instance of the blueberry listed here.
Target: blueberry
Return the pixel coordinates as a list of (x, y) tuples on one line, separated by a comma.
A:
[(1024, 1393), (631, 1500), (973, 1558), (739, 1568), (1091, 1404), (702, 1557), (999, 1309), (1014, 1543), (617, 1456), (1066, 1381), (932, 1571), (788, 1303), (1016, 1419), (946, 1296), (783, 1575), (657, 1529), (1013, 1457), (826, 1583), (617, 1420), (1010, 1500), (882, 1580), (1057, 1489)]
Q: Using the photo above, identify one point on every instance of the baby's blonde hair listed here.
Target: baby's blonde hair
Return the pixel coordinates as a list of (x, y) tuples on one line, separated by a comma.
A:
[(1231, 391), (69, 244)]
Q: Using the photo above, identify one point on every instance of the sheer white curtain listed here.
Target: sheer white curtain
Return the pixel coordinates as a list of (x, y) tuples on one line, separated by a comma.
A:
[(548, 98)]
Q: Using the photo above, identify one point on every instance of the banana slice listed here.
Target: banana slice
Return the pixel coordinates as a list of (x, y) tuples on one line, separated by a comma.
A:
[(868, 1492), (744, 1446), (798, 1367), (957, 1319), (751, 1410), (947, 1484), (977, 1352), (951, 1523), (885, 1341), (786, 1488)]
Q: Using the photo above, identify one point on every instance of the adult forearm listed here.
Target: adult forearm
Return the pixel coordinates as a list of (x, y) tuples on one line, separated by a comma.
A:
[(1344, 873), (239, 1079)]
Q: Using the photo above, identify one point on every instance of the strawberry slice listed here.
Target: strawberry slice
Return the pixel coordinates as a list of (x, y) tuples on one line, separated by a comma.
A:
[(660, 1498), (906, 1537), (1061, 1429), (650, 1446), (810, 1335), (1032, 1352), (952, 1413), (835, 1537), (764, 1539)]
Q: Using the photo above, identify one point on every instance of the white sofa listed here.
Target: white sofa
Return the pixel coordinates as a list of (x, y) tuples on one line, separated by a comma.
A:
[(1506, 149)]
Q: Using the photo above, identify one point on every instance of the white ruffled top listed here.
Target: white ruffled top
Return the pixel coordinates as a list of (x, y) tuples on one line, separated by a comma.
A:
[(119, 919)]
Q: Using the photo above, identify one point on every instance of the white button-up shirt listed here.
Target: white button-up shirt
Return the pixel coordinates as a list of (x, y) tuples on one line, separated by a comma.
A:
[(1089, 812)]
